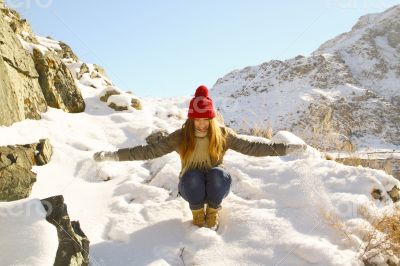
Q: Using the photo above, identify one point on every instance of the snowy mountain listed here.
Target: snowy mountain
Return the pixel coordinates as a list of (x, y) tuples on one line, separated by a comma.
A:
[(298, 209), (346, 92)]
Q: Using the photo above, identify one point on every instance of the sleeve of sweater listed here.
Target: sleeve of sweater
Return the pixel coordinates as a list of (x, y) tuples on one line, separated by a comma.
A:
[(164, 146), (253, 148)]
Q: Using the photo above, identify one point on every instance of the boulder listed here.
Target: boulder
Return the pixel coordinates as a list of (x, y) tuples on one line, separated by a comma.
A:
[(107, 92), (73, 248), (15, 182), (394, 194), (136, 103), (16, 177), (123, 101), (57, 82), (117, 107), (43, 152)]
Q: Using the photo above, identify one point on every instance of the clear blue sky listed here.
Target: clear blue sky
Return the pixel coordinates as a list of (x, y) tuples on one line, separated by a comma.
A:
[(168, 47)]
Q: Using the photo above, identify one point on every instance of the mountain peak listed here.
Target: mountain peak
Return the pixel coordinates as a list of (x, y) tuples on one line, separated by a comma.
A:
[(367, 27)]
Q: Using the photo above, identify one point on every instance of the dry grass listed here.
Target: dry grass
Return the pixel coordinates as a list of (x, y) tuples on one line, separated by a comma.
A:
[(325, 137), (334, 221), (383, 239), (353, 161), (261, 129), (262, 132)]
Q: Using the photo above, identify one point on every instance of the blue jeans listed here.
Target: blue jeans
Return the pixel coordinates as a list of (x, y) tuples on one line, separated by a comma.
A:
[(197, 187)]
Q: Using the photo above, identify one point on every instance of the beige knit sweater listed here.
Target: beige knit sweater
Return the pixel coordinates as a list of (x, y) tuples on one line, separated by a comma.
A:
[(200, 158)]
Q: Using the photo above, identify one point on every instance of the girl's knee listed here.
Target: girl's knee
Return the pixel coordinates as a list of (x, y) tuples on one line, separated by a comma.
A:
[(219, 177), (192, 179), (218, 185)]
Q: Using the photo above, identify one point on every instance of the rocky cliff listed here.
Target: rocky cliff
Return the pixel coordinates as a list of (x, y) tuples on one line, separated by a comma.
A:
[(345, 95), (32, 79), (21, 95)]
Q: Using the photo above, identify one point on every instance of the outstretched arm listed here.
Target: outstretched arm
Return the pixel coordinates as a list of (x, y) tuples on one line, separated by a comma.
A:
[(256, 148), (144, 152)]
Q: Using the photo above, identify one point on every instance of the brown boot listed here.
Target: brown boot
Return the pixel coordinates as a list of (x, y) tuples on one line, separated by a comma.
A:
[(212, 217), (198, 217)]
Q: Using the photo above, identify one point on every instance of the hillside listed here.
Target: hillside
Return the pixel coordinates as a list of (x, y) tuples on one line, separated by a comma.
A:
[(346, 92)]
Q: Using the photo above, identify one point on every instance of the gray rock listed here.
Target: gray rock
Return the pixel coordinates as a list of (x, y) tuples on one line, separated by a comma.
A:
[(57, 83), (136, 103), (15, 182), (20, 94), (97, 72), (73, 247), (376, 194), (43, 152), (394, 194), (100, 70), (117, 107), (66, 52), (107, 95), (95, 75), (83, 70), (16, 177), (19, 25)]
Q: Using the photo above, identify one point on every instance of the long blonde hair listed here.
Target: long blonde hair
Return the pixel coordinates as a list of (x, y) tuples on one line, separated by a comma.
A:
[(216, 138)]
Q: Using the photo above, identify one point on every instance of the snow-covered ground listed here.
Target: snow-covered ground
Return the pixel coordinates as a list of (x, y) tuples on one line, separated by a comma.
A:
[(298, 209), (26, 238), (292, 210)]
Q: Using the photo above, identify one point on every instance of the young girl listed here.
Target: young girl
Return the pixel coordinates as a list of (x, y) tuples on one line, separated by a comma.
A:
[(201, 144)]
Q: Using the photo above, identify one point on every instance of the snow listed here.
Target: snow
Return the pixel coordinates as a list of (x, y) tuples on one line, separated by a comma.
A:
[(289, 210), (286, 137), (109, 89), (26, 238), (48, 43), (121, 100), (45, 44)]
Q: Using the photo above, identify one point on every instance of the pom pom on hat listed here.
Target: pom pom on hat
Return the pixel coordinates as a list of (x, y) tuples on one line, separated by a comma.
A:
[(201, 91)]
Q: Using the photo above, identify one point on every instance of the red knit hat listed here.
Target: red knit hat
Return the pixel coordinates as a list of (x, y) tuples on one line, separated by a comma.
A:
[(201, 106)]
